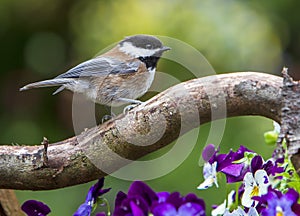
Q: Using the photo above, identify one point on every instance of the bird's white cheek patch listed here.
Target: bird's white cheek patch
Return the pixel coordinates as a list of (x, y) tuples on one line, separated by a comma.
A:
[(129, 49)]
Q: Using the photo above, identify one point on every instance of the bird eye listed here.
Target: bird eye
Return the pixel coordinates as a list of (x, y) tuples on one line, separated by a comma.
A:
[(148, 46)]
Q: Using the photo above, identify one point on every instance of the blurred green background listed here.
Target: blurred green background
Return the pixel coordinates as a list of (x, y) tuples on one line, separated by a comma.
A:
[(41, 39)]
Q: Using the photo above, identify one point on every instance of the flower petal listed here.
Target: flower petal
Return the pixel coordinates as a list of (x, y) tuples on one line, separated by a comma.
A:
[(192, 198), (35, 208), (247, 200), (220, 210), (292, 195), (256, 163), (208, 152), (262, 180), (253, 212), (136, 211), (238, 212), (83, 210), (249, 181), (175, 199), (164, 209), (234, 170), (95, 191), (190, 209), (206, 184), (162, 196), (139, 188), (210, 176), (120, 197)]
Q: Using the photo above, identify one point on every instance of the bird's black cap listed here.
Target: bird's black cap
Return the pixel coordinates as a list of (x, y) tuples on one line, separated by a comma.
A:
[(143, 41)]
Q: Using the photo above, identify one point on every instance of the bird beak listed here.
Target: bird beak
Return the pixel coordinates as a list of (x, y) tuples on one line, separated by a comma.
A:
[(165, 48), (161, 50)]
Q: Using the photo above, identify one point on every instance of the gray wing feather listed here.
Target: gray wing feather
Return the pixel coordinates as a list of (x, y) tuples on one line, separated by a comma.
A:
[(59, 90), (100, 66), (126, 67)]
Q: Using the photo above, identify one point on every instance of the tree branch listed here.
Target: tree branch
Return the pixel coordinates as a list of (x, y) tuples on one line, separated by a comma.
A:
[(246, 93)]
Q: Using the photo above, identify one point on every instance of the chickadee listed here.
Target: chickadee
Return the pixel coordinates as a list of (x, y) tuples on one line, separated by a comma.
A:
[(118, 76)]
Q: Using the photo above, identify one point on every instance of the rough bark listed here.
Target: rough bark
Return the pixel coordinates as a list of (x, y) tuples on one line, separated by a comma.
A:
[(290, 119)]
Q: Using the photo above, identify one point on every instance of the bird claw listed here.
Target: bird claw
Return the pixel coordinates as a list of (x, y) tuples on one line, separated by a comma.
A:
[(128, 108), (106, 118)]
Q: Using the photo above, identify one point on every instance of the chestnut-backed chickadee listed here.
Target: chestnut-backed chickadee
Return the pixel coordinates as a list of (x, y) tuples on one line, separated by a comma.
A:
[(118, 76)]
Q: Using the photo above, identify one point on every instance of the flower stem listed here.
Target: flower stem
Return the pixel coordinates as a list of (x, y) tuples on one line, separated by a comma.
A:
[(108, 206)]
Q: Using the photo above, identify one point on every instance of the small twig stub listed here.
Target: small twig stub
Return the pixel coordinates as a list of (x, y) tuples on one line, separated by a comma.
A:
[(45, 143)]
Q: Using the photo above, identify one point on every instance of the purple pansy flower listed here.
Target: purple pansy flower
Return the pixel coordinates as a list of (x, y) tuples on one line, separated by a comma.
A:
[(276, 203), (94, 192), (136, 202), (142, 200), (175, 205), (35, 208), (235, 165), (226, 163), (270, 166)]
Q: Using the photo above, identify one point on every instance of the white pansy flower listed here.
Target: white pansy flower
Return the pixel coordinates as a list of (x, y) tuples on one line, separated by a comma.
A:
[(254, 186), (220, 210), (210, 176)]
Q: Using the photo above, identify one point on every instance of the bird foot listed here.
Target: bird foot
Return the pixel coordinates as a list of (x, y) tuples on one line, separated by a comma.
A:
[(106, 118), (128, 108)]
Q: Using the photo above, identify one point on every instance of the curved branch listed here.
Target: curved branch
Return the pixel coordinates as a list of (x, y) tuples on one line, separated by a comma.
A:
[(245, 93)]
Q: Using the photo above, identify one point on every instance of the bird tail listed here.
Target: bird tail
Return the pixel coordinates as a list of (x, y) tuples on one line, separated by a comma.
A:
[(48, 83)]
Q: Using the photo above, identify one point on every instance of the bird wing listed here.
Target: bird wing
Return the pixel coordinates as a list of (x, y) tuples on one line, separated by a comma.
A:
[(101, 66)]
